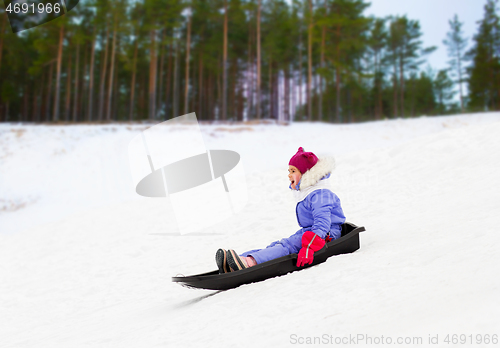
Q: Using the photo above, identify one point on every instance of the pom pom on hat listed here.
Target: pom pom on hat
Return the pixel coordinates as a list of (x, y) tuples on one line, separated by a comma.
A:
[(303, 161)]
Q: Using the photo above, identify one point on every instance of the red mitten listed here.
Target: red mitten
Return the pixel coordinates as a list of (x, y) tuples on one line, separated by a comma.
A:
[(310, 243)]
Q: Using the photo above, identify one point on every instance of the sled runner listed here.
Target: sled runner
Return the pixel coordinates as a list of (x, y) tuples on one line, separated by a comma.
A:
[(347, 243)]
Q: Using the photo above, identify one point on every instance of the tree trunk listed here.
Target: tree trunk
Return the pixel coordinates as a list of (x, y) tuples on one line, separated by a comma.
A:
[(2, 32), (224, 66), (275, 95), (395, 88), (349, 102), (176, 81), (459, 61), (239, 111), (218, 102), (132, 82), (300, 66), (58, 74), (378, 84), (210, 93), (233, 94), (186, 78), (49, 93), (212, 101), (152, 75), (380, 106), (278, 95), (67, 104), (253, 74), (314, 88), (80, 107), (337, 87), (309, 63), (232, 85), (168, 82), (103, 78), (270, 77), (205, 105), (91, 79), (43, 98), (143, 87), (413, 97), (200, 86), (337, 78), (77, 82), (193, 90), (258, 101), (402, 86), (322, 64), (293, 95), (375, 85), (248, 81), (286, 92), (114, 110), (111, 72), (25, 102), (36, 98), (160, 76)]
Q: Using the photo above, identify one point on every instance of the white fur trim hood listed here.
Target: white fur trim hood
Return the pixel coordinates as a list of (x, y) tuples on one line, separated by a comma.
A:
[(325, 165)]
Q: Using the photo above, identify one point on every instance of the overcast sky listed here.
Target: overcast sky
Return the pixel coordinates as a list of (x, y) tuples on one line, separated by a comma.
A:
[(433, 16)]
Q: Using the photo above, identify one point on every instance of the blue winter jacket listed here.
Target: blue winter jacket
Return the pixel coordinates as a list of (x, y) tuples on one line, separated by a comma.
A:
[(321, 213)]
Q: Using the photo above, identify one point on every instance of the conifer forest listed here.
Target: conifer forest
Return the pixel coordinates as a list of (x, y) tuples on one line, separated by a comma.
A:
[(241, 60)]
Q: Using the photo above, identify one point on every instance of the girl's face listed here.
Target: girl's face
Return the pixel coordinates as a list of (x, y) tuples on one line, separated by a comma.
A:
[(294, 176)]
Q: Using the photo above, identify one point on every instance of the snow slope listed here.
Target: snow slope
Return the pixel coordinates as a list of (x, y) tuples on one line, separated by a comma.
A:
[(84, 262)]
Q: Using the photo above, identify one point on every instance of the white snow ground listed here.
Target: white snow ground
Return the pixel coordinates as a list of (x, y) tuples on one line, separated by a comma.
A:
[(84, 262)]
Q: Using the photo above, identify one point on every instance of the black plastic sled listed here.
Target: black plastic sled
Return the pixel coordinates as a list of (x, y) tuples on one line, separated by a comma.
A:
[(347, 243)]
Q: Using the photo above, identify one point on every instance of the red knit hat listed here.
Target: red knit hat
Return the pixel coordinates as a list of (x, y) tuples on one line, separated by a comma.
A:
[(303, 161)]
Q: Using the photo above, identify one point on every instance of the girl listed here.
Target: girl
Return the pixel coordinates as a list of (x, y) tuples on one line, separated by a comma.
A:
[(318, 210)]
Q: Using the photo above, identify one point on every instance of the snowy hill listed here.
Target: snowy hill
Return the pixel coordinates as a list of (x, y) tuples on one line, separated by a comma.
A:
[(84, 262)]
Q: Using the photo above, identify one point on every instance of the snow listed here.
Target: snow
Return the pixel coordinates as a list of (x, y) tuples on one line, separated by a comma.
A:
[(85, 262)]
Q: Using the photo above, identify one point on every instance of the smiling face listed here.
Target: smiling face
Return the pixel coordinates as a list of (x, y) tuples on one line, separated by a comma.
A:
[(294, 176)]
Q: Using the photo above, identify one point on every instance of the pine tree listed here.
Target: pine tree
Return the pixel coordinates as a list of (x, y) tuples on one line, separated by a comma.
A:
[(456, 44), (406, 55), (3, 22), (425, 98), (158, 14), (188, 51), (347, 28), (259, 61), (377, 43), (118, 18), (58, 71), (443, 87), (484, 72)]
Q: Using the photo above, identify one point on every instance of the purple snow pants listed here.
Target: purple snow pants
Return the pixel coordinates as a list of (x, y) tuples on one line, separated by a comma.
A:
[(277, 249)]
